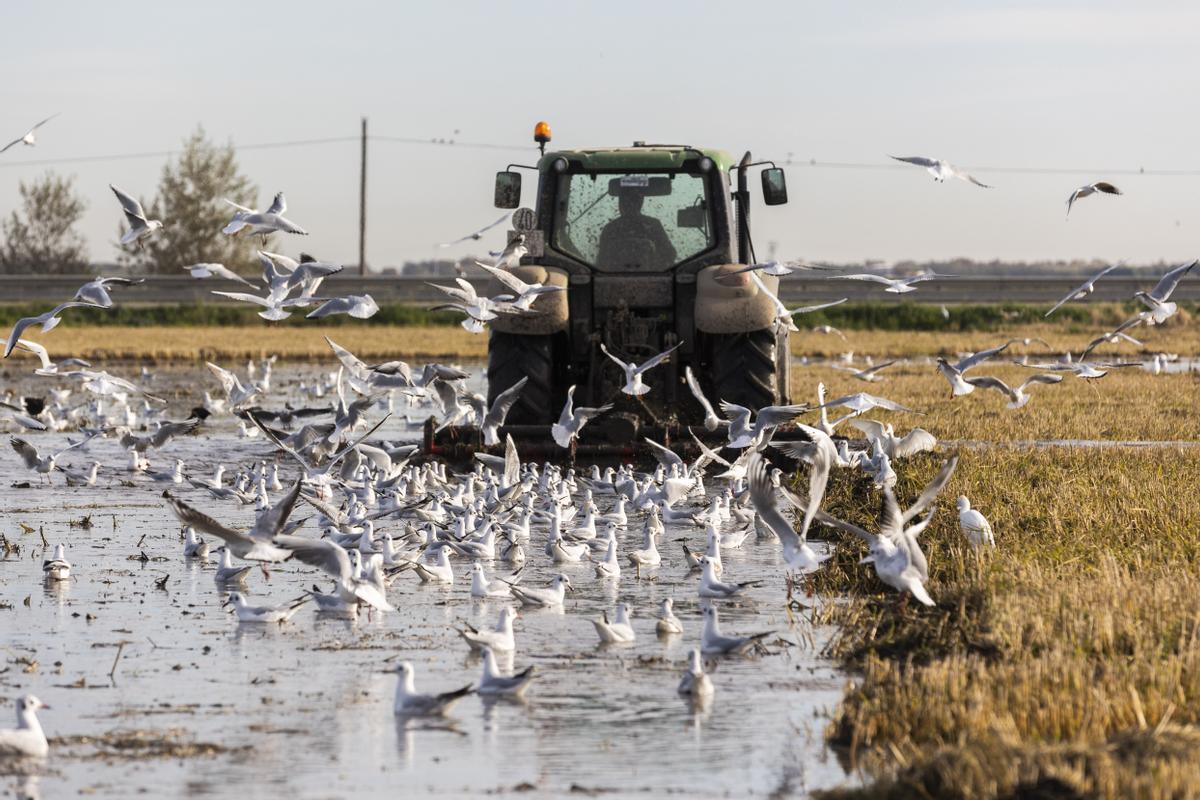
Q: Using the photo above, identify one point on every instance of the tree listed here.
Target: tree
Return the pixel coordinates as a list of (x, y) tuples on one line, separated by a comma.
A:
[(42, 238), (190, 203)]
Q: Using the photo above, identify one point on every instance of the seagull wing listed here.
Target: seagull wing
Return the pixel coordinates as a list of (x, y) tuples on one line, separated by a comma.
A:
[(861, 276), (131, 205), (854, 530), (762, 497), (203, 522), (983, 355), (26, 451), (1169, 281), (658, 359), (810, 309), (272, 520), (694, 385), (915, 441), (615, 360), (932, 489), (504, 402), (278, 205), (665, 455), (920, 161), (988, 382), (1041, 377), (774, 416), (324, 554), (506, 278)]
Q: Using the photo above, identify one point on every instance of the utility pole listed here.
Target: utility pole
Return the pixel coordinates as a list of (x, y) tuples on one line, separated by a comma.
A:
[(362, 205)]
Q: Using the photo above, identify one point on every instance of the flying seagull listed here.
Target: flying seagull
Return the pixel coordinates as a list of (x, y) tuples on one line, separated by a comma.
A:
[(1084, 191), (247, 220), (940, 170), (634, 372), (208, 270), (29, 140), (139, 227), (477, 235), (1083, 290)]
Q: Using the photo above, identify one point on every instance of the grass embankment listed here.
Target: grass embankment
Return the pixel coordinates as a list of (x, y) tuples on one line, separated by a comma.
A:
[(191, 333), (1066, 662)]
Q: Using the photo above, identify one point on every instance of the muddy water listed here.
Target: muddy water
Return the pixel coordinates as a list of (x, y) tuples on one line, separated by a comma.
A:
[(200, 705)]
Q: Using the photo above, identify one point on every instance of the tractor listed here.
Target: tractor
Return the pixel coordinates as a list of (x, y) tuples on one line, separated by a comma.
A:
[(645, 241)]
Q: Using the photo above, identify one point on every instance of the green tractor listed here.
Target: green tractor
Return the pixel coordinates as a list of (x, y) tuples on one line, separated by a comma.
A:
[(644, 241)]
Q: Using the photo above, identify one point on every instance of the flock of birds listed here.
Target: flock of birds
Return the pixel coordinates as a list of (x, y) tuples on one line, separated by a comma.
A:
[(382, 514)]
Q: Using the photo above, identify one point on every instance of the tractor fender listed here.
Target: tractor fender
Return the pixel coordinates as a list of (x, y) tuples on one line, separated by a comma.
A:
[(552, 308), (737, 306)]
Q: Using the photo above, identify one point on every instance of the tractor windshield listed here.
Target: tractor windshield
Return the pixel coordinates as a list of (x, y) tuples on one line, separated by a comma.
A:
[(644, 222)]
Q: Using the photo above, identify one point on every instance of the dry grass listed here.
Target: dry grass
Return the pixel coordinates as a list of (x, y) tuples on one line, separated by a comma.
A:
[(187, 343), (1063, 662)]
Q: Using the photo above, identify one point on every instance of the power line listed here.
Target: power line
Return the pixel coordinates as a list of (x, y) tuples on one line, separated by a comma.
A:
[(814, 163), (811, 163)]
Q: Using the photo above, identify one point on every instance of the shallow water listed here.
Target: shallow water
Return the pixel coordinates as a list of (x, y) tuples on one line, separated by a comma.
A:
[(304, 709)]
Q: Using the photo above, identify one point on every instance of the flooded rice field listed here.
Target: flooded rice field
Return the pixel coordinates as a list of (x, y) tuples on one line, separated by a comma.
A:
[(156, 690)]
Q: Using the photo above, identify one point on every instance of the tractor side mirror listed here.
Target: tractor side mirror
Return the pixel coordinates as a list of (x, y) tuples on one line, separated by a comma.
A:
[(692, 217), (774, 186), (508, 189)]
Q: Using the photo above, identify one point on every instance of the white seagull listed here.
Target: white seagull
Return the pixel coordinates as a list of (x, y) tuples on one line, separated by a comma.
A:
[(477, 235), (139, 227), (1083, 290), (247, 220), (1017, 397), (634, 372), (57, 568), (940, 170), (695, 682), (572, 420), (894, 285), (278, 614), (212, 270), (1157, 298), (29, 139), (715, 643), (617, 631), (974, 525), (27, 739), (493, 682), (96, 291), (1084, 191), (410, 703)]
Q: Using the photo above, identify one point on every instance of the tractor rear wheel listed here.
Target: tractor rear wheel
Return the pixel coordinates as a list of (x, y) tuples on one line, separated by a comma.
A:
[(743, 368), (512, 357)]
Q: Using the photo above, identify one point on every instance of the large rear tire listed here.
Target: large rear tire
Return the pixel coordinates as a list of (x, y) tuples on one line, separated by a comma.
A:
[(512, 357), (744, 369)]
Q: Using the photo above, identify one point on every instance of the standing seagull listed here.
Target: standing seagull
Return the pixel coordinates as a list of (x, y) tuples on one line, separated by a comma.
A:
[(29, 140), (940, 170), (410, 703), (634, 372), (1083, 290), (27, 739), (695, 682), (572, 420), (57, 568), (139, 227), (974, 525), (1090, 189)]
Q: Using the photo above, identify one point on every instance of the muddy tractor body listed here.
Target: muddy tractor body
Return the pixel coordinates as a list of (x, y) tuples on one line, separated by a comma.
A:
[(644, 241)]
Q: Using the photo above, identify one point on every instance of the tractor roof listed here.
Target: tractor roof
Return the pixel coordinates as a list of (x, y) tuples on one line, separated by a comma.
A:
[(638, 157)]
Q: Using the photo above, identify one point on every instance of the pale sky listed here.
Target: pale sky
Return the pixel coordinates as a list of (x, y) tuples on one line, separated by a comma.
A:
[(1071, 85)]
